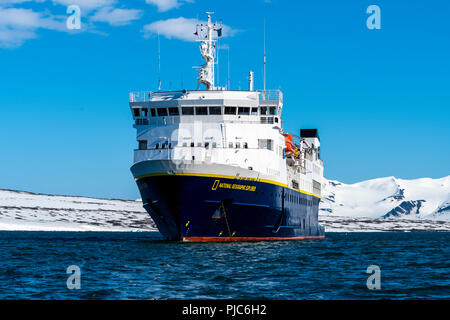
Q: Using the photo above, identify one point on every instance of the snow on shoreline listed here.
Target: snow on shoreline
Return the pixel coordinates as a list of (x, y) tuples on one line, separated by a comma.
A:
[(26, 211), (384, 204)]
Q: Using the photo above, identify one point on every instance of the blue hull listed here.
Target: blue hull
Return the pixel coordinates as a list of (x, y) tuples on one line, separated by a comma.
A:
[(205, 208)]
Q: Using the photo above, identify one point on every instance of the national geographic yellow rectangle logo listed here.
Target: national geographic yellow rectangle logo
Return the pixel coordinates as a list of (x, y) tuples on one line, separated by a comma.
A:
[(216, 183), (233, 186)]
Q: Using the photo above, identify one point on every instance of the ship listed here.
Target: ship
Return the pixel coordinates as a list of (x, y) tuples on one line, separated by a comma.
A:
[(214, 164)]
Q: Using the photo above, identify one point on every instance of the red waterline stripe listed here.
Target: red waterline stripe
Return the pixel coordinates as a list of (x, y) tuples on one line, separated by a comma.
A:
[(228, 239)]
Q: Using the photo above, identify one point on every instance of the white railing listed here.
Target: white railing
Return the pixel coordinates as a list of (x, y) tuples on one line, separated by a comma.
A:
[(271, 95), (140, 96), (162, 121), (268, 95)]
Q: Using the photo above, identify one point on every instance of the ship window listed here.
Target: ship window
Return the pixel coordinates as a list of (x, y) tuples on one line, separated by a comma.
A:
[(199, 144), (163, 145), (184, 144), (230, 110), (173, 112), (230, 145), (215, 110), (142, 144), (144, 113), (136, 112), (214, 144), (263, 110), (170, 145), (157, 146), (238, 145), (153, 112), (162, 112), (276, 120), (188, 111), (265, 144), (245, 145), (244, 110), (192, 144), (201, 111), (273, 110), (254, 111)]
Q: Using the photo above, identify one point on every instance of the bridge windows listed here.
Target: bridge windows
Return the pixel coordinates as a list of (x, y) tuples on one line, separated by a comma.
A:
[(230, 110), (254, 111), (272, 111), (243, 110), (201, 111), (245, 145), (153, 112), (238, 145), (192, 144), (230, 145), (142, 144), (263, 111), (162, 112), (174, 112), (215, 110), (140, 112), (187, 111)]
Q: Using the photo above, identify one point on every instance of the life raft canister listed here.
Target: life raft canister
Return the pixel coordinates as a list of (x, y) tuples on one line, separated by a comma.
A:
[(290, 147)]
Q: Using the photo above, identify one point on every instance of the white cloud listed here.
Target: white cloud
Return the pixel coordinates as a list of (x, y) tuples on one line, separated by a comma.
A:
[(86, 5), (166, 5), (18, 25), (8, 2), (10, 38), (116, 17), (180, 28), (83, 4)]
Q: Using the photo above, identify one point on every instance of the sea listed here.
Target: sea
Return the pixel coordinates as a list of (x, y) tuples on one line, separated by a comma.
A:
[(140, 265)]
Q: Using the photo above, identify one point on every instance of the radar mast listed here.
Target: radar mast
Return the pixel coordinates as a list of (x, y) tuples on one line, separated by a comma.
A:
[(204, 33)]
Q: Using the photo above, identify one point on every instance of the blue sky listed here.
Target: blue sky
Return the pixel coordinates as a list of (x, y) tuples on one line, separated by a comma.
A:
[(380, 98)]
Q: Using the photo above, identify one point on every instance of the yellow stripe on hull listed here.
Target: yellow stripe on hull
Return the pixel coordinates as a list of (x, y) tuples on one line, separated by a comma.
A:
[(207, 175)]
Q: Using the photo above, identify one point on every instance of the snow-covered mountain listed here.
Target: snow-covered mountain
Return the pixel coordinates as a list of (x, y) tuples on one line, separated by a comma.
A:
[(389, 198), (384, 204), (30, 211)]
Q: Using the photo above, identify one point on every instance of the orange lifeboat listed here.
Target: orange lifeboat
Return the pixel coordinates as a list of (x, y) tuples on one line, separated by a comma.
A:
[(290, 146)]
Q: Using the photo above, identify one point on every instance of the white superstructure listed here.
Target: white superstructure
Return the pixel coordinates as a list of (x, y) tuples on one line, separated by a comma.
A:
[(218, 130)]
